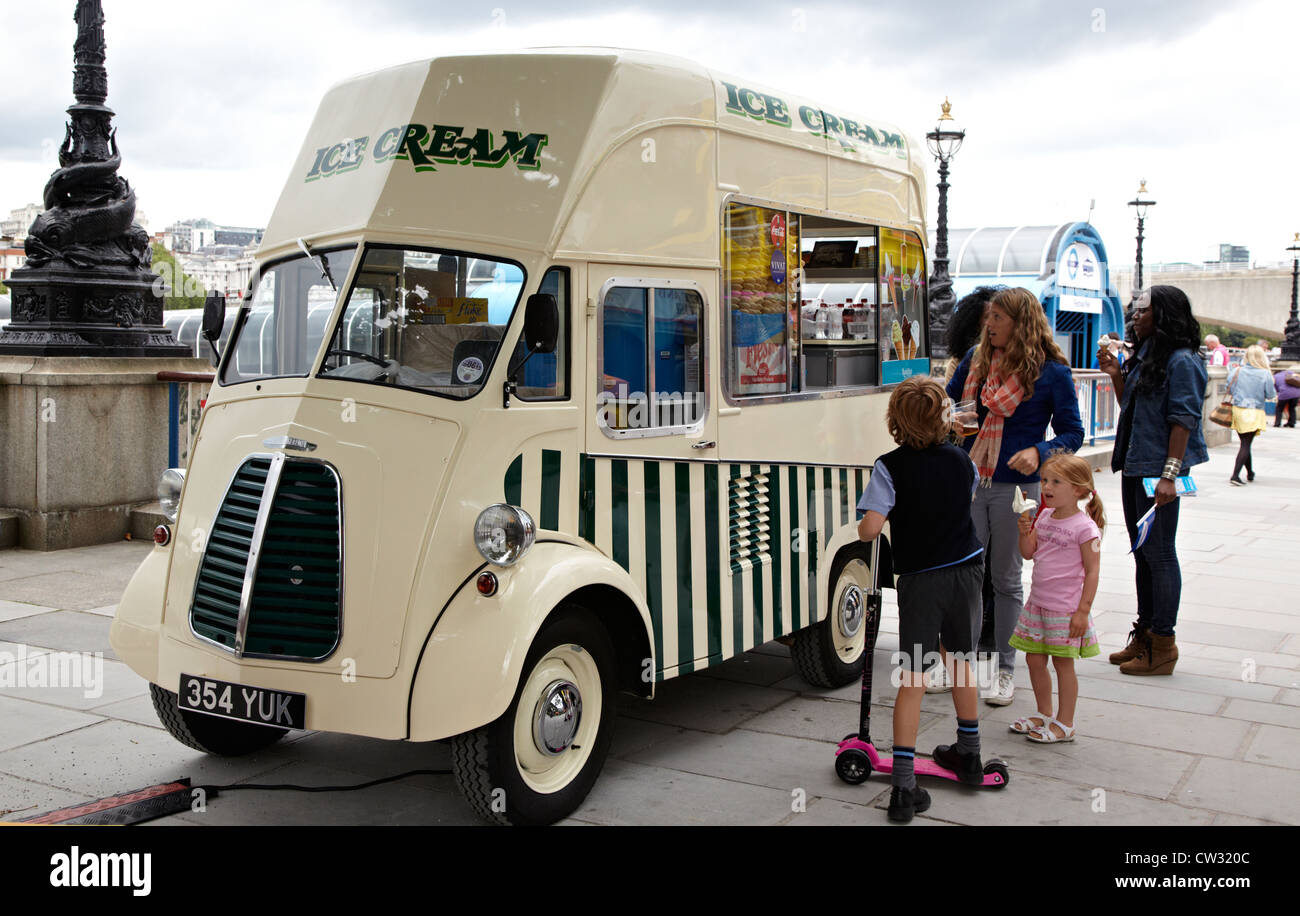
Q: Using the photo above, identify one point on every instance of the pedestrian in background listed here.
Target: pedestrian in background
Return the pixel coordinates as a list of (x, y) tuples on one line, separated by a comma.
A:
[(1162, 394), (1251, 386), (966, 325), (1216, 351), (1020, 381), (1287, 384)]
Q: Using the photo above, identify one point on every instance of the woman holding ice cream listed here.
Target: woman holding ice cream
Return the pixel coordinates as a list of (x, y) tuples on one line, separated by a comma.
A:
[(1161, 391), (1020, 382)]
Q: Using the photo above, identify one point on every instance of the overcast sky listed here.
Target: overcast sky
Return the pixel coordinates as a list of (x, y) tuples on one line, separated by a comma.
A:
[(1063, 102)]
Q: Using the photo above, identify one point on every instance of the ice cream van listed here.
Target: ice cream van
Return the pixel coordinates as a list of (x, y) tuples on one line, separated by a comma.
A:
[(560, 375)]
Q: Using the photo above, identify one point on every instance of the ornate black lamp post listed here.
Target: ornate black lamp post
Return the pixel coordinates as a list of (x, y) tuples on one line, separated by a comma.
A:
[(1291, 346), (87, 288), (943, 141), (1140, 205)]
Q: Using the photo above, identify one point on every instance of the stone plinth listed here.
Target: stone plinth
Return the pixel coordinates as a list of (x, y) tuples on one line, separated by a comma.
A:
[(83, 441)]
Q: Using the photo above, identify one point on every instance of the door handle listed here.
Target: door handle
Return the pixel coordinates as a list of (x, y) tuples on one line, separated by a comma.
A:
[(705, 445)]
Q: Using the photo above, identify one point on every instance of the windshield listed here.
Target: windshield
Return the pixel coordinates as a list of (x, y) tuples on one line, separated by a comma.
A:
[(281, 329), (425, 319)]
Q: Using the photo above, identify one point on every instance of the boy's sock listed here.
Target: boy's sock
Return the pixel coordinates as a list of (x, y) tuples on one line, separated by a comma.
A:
[(904, 773), (968, 736)]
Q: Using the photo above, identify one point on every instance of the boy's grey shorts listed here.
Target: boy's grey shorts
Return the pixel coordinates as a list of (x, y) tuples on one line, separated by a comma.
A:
[(938, 605)]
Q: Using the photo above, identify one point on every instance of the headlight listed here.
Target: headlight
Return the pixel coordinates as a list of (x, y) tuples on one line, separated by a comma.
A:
[(169, 492), (503, 533)]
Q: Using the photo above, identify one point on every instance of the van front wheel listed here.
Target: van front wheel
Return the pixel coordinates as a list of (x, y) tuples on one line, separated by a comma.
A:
[(537, 762), (210, 734), (830, 653)]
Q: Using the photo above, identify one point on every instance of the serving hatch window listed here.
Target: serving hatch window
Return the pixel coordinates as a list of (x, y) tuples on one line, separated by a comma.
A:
[(430, 320)]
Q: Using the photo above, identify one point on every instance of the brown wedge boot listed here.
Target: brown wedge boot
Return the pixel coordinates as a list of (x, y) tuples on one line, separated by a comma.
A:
[(1159, 655), (1136, 637)]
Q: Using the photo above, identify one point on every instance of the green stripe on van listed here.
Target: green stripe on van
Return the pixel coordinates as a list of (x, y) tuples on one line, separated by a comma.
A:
[(858, 488), (844, 496), (713, 559), (587, 499), (514, 481), (758, 567), (737, 595), (618, 509), (810, 543), (797, 541), (774, 543), (685, 597), (653, 563), (828, 506), (550, 490)]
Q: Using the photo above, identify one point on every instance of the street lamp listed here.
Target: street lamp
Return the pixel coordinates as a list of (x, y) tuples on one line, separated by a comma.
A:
[(1291, 346), (1140, 205), (943, 141)]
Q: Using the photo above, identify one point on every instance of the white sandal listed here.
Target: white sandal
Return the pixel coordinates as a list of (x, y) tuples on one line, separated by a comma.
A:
[(1024, 726), (1045, 735)]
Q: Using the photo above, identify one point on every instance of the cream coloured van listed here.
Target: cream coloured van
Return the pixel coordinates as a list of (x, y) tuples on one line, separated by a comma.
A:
[(533, 402)]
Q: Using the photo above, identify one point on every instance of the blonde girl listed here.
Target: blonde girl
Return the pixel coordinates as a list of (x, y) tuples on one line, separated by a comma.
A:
[(1064, 542)]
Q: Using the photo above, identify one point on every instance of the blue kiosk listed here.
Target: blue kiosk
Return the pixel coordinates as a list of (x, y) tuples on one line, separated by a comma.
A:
[(1064, 265)]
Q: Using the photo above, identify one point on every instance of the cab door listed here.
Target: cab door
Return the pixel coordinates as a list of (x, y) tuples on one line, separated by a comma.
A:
[(650, 481)]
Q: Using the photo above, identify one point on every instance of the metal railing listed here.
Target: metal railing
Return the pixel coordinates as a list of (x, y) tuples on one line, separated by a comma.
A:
[(1097, 405), (186, 394)]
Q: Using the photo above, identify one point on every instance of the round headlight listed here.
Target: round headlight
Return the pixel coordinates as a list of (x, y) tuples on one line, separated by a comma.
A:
[(169, 491), (503, 533)]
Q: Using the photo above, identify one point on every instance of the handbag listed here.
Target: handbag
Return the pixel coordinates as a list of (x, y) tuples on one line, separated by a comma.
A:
[(1222, 414)]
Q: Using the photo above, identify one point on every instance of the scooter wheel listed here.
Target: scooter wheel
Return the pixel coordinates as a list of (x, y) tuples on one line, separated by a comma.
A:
[(999, 768), (853, 766)]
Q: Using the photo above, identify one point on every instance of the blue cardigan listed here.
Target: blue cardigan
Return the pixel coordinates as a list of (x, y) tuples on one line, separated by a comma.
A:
[(1054, 400)]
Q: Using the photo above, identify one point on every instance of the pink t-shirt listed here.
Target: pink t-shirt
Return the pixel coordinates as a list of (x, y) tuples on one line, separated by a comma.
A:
[(1058, 566)]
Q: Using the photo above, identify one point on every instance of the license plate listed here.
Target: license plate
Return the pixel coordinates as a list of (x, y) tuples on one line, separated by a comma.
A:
[(247, 704)]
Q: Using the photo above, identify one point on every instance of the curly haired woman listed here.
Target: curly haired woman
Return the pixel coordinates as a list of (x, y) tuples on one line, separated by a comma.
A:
[(1161, 390), (1021, 382)]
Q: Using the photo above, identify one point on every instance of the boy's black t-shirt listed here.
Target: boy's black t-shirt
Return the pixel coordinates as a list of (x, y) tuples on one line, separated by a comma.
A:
[(930, 524)]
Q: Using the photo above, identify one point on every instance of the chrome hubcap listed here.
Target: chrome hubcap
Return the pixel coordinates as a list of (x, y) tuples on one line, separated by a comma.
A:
[(556, 720), (852, 609)]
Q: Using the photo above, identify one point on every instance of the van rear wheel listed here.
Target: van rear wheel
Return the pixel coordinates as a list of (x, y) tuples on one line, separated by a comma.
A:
[(537, 762), (830, 653), (211, 734)]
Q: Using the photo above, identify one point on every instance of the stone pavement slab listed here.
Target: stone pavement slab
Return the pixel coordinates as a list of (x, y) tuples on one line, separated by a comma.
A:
[(68, 631), (1236, 787), (12, 610), (26, 722)]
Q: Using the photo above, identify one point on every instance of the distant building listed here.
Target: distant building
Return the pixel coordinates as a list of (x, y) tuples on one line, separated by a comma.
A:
[(1234, 254), (19, 221), (194, 236), (225, 269), (12, 256)]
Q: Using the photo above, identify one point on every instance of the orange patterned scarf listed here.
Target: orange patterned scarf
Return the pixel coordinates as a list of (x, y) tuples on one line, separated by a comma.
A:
[(1001, 396)]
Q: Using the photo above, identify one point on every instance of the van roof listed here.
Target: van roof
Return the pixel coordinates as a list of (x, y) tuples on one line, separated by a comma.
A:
[(558, 149)]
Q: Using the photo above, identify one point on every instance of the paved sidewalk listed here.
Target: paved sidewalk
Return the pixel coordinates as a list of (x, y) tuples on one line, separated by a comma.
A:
[(748, 742)]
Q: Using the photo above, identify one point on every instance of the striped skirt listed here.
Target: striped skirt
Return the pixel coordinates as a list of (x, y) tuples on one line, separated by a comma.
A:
[(1040, 631)]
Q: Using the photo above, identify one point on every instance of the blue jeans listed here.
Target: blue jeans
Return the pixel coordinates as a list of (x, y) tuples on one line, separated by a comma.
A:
[(1159, 579)]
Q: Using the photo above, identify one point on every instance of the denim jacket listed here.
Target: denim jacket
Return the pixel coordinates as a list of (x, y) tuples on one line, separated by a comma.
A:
[(1142, 435), (1250, 387)]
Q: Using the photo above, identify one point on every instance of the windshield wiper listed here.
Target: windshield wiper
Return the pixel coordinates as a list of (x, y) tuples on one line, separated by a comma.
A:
[(324, 265)]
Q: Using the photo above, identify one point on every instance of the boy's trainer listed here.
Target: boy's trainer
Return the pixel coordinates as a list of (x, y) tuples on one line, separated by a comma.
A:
[(903, 803)]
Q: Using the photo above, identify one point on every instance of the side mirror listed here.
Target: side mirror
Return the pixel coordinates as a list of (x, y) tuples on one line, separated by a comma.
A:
[(541, 323), (214, 318)]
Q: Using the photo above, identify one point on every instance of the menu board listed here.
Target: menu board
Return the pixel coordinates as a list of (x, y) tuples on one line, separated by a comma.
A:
[(902, 296), (763, 270)]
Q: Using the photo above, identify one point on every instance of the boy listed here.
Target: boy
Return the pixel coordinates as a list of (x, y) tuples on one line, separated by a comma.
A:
[(925, 487)]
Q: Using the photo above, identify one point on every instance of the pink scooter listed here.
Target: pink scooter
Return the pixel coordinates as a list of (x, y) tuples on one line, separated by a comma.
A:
[(856, 756)]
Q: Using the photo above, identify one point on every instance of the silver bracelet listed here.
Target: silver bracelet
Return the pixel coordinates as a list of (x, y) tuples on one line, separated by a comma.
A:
[(1173, 467)]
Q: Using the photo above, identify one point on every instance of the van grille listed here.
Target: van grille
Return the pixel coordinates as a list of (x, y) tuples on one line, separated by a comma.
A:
[(295, 605), (748, 518)]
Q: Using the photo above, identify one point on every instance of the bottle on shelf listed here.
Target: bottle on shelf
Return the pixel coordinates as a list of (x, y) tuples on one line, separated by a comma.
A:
[(835, 326), (823, 320)]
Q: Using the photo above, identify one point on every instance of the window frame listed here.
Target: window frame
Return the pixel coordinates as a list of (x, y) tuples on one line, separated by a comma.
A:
[(729, 397), (566, 313), (341, 305), (651, 283)]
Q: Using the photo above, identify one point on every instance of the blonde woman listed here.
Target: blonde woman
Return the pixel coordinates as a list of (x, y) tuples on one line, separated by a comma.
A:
[(1020, 381), (1250, 385)]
